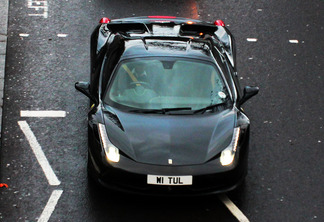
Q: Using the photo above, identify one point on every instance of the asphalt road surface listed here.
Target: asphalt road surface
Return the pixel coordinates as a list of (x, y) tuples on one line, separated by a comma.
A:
[(279, 48)]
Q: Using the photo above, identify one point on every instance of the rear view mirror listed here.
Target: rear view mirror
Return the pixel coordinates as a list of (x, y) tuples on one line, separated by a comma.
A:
[(84, 88), (248, 93)]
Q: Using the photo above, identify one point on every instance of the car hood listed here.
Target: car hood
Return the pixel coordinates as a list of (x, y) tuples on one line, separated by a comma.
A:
[(170, 139)]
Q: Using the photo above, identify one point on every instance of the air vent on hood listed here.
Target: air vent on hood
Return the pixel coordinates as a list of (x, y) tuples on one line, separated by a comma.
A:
[(113, 118)]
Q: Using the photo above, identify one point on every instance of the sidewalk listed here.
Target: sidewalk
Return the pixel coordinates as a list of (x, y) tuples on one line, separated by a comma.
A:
[(4, 7)]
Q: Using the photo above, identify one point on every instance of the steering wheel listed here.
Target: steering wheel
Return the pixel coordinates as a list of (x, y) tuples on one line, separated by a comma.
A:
[(141, 83)]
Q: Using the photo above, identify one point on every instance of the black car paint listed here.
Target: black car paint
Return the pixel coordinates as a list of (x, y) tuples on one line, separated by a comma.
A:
[(146, 141), (186, 139), (130, 176)]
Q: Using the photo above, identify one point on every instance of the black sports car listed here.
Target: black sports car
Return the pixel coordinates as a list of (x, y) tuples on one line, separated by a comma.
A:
[(166, 114)]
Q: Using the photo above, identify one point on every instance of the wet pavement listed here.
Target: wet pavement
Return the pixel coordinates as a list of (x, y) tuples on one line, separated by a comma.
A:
[(279, 48)]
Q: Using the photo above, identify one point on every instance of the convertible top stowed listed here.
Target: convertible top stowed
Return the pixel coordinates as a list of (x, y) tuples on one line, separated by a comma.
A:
[(166, 116)]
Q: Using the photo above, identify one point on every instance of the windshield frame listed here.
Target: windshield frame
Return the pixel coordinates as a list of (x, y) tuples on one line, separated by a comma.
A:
[(114, 104)]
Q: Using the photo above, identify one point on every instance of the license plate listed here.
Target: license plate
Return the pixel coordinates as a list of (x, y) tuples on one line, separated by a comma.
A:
[(169, 180), (166, 30)]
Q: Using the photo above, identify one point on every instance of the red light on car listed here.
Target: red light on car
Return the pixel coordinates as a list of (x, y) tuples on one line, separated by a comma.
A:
[(104, 20), (161, 17), (219, 23), (190, 22)]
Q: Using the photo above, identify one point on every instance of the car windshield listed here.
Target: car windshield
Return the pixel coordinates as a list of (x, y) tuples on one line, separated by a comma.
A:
[(166, 83)]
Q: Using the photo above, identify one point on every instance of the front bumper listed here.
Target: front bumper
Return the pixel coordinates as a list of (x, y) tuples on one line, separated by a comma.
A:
[(131, 177)]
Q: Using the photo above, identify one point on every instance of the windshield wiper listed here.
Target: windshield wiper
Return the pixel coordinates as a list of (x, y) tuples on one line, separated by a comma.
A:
[(212, 107), (162, 111)]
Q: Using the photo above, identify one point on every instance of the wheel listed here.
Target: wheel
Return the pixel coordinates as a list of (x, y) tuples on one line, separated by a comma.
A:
[(238, 194), (89, 168)]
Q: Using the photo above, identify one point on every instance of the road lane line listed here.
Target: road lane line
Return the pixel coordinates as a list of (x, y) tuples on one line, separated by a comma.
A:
[(62, 35), (40, 156), (23, 35), (50, 206), (233, 208), (252, 39), (40, 6), (45, 113), (294, 41)]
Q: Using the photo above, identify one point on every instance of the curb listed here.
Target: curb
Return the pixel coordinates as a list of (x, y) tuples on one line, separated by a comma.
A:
[(4, 7)]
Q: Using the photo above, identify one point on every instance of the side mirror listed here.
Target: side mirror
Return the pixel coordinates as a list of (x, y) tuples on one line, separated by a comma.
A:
[(248, 92), (84, 88)]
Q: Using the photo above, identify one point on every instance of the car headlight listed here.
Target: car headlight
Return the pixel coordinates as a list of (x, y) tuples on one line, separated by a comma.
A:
[(228, 154), (112, 152)]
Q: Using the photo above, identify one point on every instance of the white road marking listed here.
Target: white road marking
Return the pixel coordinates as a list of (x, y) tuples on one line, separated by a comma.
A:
[(40, 6), (50, 206), (42, 113), (40, 156), (233, 208), (252, 39), (23, 35), (62, 35), (294, 41)]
